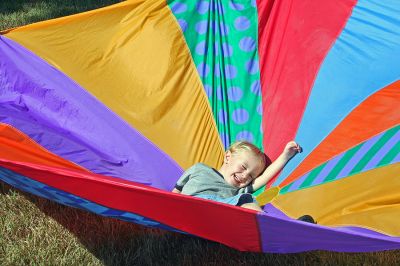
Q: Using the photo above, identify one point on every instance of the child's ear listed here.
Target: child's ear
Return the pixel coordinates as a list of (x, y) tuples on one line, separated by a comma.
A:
[(227, 157)]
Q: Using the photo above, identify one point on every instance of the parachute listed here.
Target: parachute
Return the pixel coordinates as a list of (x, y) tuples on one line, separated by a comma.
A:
[(103, 110)]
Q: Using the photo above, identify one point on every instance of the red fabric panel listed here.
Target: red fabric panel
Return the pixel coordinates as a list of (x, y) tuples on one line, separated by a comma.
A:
[(230, 225), (294, 38)]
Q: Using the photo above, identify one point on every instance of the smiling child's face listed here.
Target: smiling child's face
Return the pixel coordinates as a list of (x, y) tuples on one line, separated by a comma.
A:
[(241, 168)]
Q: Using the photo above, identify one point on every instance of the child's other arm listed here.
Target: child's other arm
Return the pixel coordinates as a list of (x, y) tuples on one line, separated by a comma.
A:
[(176, 190), (291, 149)]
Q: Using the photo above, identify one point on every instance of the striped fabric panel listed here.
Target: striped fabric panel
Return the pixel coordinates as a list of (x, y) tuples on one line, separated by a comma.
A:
[(359, 126), (380, 150), (397, 157)]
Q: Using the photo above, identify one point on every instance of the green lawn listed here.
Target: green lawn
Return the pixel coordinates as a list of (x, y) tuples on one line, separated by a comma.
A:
[(35, 231), (15, 13)]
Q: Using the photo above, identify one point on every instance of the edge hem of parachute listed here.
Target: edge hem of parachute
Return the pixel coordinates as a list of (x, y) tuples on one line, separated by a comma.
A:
[(92, 201)]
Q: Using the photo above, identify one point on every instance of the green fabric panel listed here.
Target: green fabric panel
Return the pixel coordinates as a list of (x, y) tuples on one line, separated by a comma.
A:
[(259, 191), (222, 37)]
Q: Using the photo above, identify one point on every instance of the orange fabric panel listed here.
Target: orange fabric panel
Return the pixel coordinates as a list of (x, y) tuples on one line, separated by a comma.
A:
[(16, 146), (377, 113)]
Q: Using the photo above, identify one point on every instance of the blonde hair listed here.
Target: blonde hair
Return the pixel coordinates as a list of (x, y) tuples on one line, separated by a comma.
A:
[(241, 146)]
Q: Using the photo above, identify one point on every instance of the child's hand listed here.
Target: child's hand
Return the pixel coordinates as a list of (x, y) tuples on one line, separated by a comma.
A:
[(291, 149)]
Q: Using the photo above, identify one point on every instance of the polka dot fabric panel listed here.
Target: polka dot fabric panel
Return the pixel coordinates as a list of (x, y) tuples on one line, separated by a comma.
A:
[(222, 37)]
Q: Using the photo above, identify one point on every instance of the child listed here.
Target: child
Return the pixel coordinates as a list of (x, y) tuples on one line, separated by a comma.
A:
[(244, 171)]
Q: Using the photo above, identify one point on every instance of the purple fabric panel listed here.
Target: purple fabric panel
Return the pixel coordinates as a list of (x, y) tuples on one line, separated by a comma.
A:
[(281, 234), (64, 118), (383, 151), (273, 211), (357, 157)]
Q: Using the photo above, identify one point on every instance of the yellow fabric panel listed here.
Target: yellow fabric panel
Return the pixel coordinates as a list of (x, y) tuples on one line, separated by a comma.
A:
[(133, 57), (370, 199)]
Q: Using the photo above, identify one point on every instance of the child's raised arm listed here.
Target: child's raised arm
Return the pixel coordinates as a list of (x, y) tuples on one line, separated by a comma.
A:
[(291, 149)]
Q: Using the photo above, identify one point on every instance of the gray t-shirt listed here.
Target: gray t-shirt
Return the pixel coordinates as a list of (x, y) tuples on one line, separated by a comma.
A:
[(203, 180)]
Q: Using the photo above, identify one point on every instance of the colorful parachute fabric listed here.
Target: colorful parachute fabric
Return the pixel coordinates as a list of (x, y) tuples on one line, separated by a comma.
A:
[(103, 110)]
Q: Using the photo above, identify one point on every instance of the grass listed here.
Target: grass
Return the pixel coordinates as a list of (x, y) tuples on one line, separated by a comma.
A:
[(21, 12), (36, 231)]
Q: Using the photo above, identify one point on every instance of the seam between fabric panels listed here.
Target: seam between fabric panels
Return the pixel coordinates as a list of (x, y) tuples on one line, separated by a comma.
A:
[(271, 13), (259, 78), (261, 95), (260, 239), (189, 52), (313, 83)]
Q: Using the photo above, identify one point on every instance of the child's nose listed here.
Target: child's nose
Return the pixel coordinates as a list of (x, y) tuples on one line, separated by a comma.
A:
[(245, 176)]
